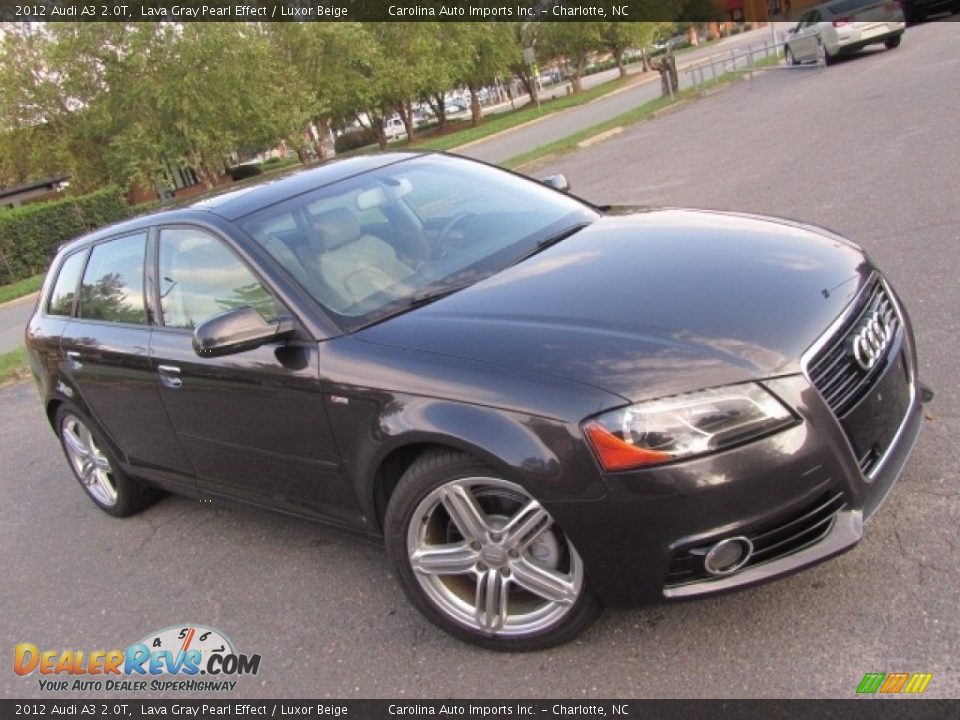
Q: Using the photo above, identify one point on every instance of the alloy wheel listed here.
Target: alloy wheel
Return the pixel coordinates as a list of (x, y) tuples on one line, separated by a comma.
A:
[(491, 558), (88, 461)]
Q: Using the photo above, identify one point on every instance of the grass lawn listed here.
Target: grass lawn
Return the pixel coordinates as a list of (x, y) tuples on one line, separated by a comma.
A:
[(21, 288), (13, 365)]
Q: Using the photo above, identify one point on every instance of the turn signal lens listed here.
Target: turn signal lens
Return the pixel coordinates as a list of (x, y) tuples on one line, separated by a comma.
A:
[(683, 426)]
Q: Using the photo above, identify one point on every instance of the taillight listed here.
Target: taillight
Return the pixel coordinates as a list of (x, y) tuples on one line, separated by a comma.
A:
[(842, 21)]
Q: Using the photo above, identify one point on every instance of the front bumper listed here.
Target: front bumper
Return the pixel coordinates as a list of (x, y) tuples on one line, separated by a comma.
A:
[(633, 539)]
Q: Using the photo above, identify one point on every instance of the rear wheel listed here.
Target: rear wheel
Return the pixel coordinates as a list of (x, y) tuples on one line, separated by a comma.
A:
[(791, 58), (95, 468), (893, 42), (482, 559)]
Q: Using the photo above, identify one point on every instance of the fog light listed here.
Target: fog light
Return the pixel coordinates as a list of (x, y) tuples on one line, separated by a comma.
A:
[(728, 556)]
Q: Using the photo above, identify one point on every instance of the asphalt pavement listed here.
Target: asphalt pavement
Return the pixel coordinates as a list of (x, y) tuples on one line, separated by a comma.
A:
[(13, 319), (498, 148), (868, 147)]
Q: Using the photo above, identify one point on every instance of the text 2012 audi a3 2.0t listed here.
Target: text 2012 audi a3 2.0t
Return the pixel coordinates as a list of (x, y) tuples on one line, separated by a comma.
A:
[(541, 405)]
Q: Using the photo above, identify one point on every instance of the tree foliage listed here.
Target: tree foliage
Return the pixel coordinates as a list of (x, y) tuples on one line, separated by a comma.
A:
[(129, 103)]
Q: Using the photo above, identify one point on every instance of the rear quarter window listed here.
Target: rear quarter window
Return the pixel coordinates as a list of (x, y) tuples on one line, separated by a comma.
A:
[(65, 287)]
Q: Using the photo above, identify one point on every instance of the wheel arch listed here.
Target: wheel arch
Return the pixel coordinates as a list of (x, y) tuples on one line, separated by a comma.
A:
[(545, 456)]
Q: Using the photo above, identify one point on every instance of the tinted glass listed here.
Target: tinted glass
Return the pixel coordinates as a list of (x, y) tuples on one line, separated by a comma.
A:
[(201, 277), (112, 287), (365, 246), (65, 289)]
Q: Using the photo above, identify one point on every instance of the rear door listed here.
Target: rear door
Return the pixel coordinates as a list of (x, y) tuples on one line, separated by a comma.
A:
[(105, 351), (253, 423)]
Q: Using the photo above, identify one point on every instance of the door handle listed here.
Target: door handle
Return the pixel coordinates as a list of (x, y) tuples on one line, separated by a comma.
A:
[(74, 360), (170, 376)]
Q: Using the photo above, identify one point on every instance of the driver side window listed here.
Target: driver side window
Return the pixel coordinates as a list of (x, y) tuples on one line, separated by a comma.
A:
[(201, 277)]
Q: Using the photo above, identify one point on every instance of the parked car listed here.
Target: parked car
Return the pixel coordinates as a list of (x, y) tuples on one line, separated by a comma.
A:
[(455, 106), (918, 10), (844, 26), (394, 128), (542, 406)]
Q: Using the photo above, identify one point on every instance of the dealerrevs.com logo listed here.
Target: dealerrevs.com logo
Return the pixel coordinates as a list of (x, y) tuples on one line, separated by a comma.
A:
[(185, 657)]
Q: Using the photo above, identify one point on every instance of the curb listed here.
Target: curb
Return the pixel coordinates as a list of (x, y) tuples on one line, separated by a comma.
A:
[(20, 300), (558, 113)]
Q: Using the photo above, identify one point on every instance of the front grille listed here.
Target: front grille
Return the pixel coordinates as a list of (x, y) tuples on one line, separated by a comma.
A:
[(834, 371), (771, 541)]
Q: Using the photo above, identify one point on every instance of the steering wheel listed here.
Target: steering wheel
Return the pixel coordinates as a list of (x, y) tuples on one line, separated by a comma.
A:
[(444, 234)]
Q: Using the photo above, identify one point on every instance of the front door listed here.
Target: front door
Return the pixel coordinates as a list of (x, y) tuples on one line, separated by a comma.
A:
[(253, 423)]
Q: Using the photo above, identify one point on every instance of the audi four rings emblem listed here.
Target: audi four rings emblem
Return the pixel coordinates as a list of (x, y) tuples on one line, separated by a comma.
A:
[(870, 340)]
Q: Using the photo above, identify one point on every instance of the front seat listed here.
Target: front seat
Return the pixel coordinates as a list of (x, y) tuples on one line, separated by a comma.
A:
[(352, 265)]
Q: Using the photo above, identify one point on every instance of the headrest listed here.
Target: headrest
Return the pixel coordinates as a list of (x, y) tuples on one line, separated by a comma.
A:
[(335, 228)]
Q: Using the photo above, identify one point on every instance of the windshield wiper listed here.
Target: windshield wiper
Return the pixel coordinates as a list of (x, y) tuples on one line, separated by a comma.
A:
[(428, 296), (424, 298), (550, 241)]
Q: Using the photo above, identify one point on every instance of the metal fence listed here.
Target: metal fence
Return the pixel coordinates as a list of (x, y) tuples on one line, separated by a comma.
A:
[(703, 74)]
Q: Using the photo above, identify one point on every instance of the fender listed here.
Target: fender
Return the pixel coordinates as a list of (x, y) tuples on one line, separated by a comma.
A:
[(545, 456)]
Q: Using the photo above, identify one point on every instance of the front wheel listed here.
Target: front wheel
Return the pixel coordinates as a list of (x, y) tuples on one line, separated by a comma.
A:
[(791, 58), (95, 468), (482, 559), (893, 42)]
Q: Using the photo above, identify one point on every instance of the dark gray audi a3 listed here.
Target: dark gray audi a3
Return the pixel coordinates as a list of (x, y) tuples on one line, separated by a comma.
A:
[(541, 406)]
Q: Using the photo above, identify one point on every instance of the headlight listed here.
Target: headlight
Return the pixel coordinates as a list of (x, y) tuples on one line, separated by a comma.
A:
[(681, 426)]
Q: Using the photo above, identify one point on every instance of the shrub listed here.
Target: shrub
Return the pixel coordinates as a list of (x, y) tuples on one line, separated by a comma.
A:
[(30, 235), (242, 172), (353, 139)]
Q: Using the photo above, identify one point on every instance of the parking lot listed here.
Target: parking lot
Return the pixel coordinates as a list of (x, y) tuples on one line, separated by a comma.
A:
[(870, 148)]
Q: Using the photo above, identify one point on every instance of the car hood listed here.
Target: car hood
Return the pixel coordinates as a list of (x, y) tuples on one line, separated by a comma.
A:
[(645, 304)]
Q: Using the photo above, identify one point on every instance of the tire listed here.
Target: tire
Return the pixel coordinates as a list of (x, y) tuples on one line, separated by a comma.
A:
[(476, 556), (893, 42), (828, 59), (791, 58), (96, 469)]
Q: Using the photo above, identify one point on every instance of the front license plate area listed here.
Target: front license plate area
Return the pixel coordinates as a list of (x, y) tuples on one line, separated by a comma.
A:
[(872, 423)]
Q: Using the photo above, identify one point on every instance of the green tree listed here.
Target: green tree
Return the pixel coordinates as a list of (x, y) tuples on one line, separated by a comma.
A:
[(571, 44), (486, 53)]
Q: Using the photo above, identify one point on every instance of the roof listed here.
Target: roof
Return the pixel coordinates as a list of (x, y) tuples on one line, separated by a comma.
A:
[(7, 192)]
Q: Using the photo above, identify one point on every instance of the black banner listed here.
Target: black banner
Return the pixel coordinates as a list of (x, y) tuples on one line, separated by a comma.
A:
[(860, 709), (379, 10)]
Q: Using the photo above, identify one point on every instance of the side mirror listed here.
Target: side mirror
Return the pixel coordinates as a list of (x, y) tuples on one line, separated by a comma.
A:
[(557, 182), (237, 330)]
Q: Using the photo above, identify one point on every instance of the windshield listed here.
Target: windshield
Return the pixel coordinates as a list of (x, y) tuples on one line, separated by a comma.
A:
[(379, 243)]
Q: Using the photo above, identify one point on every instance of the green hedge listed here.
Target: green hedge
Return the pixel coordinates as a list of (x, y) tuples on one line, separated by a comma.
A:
[(30, 235)]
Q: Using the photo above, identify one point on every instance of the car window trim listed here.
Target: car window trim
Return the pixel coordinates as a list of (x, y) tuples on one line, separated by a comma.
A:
[(143, 290)]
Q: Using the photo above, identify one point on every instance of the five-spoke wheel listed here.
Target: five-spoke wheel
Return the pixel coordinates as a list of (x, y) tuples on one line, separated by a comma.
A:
[(485, 557)]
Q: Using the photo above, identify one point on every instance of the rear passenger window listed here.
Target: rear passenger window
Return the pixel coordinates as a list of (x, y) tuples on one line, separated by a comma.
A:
[(65, 289), (112, 287)]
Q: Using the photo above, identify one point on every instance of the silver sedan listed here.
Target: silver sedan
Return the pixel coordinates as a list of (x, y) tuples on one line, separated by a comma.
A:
[(843, 26)]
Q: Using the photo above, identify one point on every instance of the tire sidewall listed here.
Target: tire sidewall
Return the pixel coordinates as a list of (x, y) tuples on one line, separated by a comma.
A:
[(414, 486)]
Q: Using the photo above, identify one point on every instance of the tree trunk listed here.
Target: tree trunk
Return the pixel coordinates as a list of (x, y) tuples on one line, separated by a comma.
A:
[(439, 108), (324, 146), (405, 111), (618, 55), (644, 63), (530, 85), (475, 114), (575, 84)]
